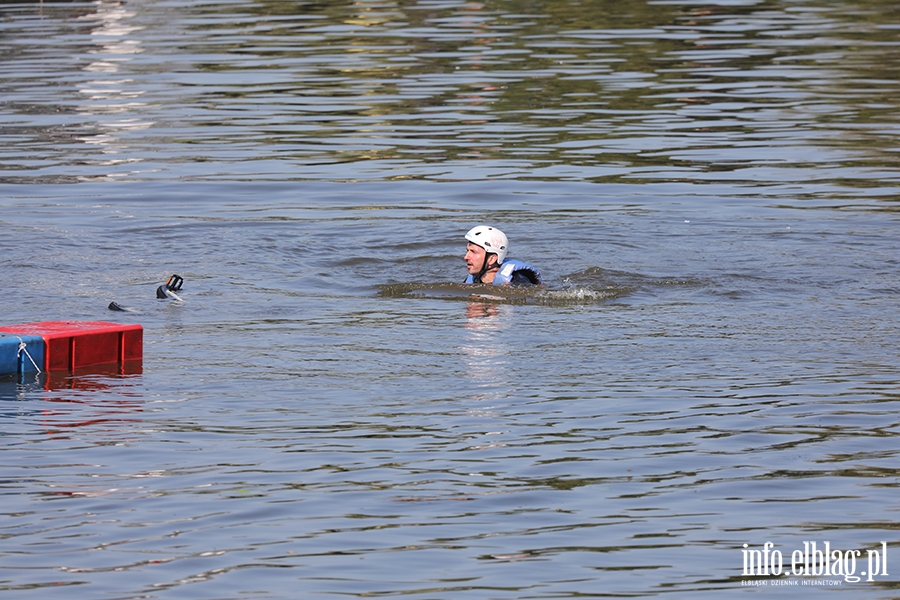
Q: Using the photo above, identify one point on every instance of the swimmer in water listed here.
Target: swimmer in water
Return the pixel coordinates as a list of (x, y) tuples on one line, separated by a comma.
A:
[(486, 260)]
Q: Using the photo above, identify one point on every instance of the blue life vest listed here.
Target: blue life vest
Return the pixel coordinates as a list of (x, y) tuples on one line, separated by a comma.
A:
[(509, 269)]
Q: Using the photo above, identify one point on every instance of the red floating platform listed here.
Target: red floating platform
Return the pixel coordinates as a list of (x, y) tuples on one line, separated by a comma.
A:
[(71, 345)]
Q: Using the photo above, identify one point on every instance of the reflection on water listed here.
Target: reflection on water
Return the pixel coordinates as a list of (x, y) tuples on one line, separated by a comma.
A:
[(113, 93), (94, 395), (486, 357), (745, 92)]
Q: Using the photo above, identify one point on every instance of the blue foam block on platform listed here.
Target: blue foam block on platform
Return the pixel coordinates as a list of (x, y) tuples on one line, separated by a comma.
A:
[(12, 361)]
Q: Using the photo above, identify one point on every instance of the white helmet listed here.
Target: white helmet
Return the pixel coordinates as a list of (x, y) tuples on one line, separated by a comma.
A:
[(491, 239)]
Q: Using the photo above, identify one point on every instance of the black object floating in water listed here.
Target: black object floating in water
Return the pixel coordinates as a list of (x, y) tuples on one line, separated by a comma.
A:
[(167, 290), (173, 284)]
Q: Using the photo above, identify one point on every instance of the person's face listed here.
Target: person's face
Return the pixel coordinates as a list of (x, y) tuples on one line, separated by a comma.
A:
[(475, 258)]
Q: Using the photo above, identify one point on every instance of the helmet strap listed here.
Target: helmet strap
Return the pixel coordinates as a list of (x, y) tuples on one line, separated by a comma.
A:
[(485, 268)]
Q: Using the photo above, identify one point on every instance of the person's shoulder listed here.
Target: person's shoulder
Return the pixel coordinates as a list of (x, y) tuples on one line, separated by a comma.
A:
[(521, 273)]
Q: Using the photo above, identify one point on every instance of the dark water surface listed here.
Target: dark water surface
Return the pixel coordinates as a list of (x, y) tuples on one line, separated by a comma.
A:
[(710, 190)]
